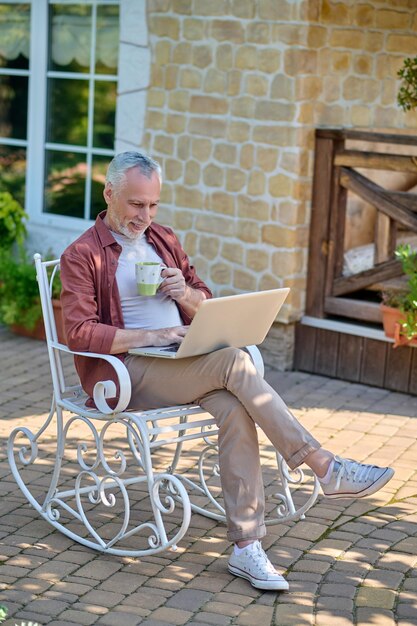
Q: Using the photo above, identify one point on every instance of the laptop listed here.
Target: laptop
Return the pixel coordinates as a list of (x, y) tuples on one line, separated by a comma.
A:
[(236, 321)]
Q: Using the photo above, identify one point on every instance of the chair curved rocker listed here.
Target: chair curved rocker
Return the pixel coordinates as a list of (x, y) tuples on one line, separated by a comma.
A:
[(98, 481)]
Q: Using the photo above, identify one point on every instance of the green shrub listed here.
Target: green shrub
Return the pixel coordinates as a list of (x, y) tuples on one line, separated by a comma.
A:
[(12, 220)]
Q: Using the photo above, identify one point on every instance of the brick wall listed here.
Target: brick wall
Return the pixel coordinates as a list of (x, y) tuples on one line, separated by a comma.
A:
[(237, 88)]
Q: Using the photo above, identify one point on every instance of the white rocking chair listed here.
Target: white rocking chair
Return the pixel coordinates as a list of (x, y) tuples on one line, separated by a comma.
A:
[(99, 486)]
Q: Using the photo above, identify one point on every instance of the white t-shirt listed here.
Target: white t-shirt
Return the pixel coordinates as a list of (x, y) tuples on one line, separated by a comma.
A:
[(150, 312)]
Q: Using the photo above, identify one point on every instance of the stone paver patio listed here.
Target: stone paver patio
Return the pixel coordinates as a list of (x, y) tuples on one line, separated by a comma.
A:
[(348, 562)]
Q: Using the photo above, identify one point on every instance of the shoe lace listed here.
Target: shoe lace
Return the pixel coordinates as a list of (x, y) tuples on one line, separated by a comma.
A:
[(258, 555), (353, 471)]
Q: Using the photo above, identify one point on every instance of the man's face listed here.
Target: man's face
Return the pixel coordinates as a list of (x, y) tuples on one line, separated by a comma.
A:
[(132, 207)]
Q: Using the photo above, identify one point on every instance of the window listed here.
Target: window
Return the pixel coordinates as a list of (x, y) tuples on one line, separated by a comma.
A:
[(58, 103)]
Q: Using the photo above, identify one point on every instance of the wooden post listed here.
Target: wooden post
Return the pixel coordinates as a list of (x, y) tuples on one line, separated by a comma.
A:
[(323, 183)]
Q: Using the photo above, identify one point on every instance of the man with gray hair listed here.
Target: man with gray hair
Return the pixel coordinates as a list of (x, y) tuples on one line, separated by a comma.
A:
[(103, 313)]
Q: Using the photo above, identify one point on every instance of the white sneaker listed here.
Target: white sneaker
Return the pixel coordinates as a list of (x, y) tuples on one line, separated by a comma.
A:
[(254, 565), (350, 479)]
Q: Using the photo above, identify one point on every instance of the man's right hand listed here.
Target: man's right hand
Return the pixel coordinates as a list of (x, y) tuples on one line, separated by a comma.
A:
[(167, 336), (125, 338)]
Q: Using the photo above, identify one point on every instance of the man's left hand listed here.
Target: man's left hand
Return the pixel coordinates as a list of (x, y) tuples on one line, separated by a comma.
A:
[(174, 284)]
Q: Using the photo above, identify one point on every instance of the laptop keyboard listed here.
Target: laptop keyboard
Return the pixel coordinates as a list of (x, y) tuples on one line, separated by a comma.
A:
[(171, 348)]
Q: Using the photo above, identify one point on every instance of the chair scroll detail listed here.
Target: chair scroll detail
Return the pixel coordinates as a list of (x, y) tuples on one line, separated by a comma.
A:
[(105, 487)]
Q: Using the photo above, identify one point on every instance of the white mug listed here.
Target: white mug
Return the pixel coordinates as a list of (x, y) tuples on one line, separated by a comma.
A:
[(148, 277)]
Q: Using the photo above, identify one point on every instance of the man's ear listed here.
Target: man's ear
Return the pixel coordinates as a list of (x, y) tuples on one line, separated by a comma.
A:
[(108, 193)]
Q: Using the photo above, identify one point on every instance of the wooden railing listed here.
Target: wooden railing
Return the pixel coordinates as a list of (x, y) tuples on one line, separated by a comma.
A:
[(329, 293)]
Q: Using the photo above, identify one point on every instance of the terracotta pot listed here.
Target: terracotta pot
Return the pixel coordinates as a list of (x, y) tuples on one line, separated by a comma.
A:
[(391, 321), (39, 331)]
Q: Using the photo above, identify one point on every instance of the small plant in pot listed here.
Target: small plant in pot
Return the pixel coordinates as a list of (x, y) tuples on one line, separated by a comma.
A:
[(399, 308)]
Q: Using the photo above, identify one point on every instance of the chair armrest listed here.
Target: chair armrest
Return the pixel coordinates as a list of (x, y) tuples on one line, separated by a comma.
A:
[(257, 359), (106, 388)]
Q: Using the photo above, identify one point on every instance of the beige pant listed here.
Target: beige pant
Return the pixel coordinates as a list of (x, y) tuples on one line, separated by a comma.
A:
[(228, 386)]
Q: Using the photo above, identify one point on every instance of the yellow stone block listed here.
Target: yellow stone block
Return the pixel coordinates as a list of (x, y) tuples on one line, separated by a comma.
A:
[(306, 113), (243, 106), (280, 186), (190, 244), (182, 53), (354, 88), (387, 117), (183, 220), (249, 231), (246, 57), (190, 78), (276, 11), (361, 116), (334, 12), (157, 76), (245, 9), (209, 247), (201, 149), (175, 124), (332, 88), (291, 213), (266, 158), (182, 6), (214, 7), (227, 30), (256, 183), (275, 111), (374, 42), (388, 19), (238, 132), (224, 57), (225, 153), (183, 147), (233, 82), (364, 15), (362, 64), (405, 44), (253, 209), (173, 169), (213, 176), (211, 127), (155, 119), (179, 100), (235, 179), (164, 26), (163, 52), (275, 135), (171, 77), (247, 153), (268, 281), (340, 62), (257, 259), (221, 202), (158, 6), (243, 280), (258, 32), (216, 224), (269, 60), (300, 61), (347, 38), (232, 252), (215, 81), (256, 85), (316, 36), (287, 263), (307, 88), (279, 236), (167, 193), (188, 198), (209, 105), (164, 144), (202, 56), (291, 35), (194, 30), (192, 173), (221, 273), (156, 98)]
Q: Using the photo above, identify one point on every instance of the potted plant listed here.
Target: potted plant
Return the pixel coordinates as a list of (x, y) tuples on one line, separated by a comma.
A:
[(20, 307), (399, 308), (12, 221)]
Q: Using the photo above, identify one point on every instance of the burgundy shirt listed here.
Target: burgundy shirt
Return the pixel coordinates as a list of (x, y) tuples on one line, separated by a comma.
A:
[(90, 297)]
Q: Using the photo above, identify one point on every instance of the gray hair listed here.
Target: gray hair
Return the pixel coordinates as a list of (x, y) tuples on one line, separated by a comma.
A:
[(124, 161)]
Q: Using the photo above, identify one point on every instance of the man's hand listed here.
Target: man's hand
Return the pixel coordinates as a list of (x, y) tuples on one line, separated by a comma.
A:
[(167, 336), (174, 284), (125, 339)]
